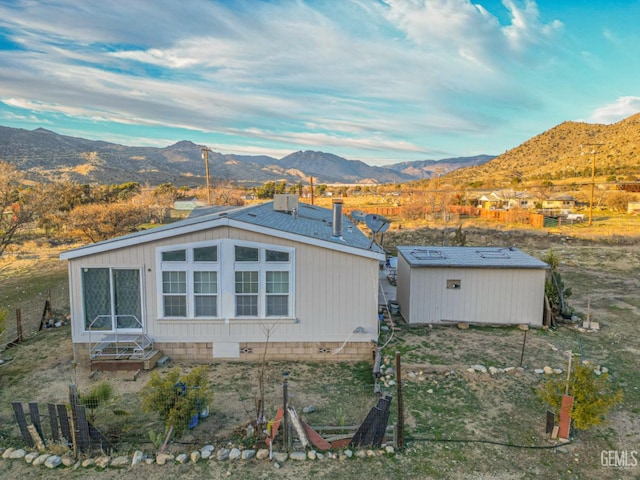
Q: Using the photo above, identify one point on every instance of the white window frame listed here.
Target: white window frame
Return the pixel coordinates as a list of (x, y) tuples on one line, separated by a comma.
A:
[(262, 266), (226, 267), (189, 267), (114, 321)]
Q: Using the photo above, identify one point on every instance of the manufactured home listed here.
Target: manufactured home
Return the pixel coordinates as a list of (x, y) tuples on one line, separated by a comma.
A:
[(282, 279), (484, 285)]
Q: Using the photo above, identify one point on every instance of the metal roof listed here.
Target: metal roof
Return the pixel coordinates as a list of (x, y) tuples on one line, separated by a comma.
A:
[(469, 257), (309, 223)]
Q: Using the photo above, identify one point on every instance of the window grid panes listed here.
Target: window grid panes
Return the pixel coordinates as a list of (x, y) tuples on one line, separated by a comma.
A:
[(247, 294), (205, 288), (195, 281)]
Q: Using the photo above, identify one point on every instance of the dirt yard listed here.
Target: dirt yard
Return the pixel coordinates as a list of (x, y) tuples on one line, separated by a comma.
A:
[(449, 411)]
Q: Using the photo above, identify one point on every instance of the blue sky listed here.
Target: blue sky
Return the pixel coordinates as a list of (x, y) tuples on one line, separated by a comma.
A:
[(377, 81)]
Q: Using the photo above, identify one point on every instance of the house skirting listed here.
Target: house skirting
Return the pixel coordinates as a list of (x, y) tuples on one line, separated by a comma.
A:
[(255, 351), (202, 352)]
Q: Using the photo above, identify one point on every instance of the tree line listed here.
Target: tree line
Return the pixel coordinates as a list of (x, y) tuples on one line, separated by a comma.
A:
[(67, 211)]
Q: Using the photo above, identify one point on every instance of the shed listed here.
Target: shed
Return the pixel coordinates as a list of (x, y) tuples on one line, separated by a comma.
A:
[(485, 285)]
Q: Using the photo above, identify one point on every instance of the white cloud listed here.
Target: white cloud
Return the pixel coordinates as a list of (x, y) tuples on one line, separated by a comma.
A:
[(622, 108)]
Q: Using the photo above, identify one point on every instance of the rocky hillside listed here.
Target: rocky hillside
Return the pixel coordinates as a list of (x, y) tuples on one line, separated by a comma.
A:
[(564, 153), (45, 155)]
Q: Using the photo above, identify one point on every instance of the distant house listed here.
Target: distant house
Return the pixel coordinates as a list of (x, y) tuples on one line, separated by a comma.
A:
[(523, 200), (188, 204), (293, 280), (484, 285), (559, 202), (633, 207)]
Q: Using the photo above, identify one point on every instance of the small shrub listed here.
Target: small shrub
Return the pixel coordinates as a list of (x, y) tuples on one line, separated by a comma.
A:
[(177, 398), (98, 395), (593, 396)]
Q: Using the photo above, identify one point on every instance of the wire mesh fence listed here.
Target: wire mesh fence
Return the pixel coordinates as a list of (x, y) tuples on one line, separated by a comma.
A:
[(231, 413), (45, 309)]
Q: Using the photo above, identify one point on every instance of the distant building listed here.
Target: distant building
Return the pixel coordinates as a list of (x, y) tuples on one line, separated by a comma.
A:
[(188, 204)]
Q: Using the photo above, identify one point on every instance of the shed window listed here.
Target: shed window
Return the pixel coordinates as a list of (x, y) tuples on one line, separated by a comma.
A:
[(453, 284)]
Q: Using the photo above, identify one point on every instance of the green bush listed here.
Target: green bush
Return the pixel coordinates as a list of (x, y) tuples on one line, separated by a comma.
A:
[(177, 398), (593, 395)]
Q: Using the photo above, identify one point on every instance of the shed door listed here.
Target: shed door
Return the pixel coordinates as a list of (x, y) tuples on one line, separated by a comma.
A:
[(112, 299)]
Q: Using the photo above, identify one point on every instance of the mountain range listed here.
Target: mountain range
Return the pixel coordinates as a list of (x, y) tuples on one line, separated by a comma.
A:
[(565, 153), (47, 156)]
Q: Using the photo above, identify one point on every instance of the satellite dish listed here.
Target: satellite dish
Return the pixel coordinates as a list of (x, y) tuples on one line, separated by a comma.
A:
[(377, 223), (358, 215)]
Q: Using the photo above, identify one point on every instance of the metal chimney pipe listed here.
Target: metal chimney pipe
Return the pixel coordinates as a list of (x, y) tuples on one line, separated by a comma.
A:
[(337, 217)]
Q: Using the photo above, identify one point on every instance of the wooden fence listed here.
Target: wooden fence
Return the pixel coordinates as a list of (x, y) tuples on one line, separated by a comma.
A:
[(62, 424)]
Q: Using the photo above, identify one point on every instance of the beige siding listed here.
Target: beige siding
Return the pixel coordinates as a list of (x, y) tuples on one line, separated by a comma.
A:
[(335, 293), (494, 296), (403, 287)]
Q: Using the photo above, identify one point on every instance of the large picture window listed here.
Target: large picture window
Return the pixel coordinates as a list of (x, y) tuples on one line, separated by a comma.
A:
[(226, 280)]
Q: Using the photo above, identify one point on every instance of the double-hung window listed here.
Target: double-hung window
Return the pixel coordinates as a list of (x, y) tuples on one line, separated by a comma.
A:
[(190, 282), (262, 281)]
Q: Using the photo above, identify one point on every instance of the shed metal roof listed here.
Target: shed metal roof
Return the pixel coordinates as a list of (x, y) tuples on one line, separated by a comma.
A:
[(469, 257)]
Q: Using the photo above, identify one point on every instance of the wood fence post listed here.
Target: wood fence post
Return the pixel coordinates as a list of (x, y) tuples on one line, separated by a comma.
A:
[(400, 402), (19, 325)]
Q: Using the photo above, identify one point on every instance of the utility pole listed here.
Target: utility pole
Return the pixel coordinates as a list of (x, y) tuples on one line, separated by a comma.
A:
[(205, 156), (594, 150)]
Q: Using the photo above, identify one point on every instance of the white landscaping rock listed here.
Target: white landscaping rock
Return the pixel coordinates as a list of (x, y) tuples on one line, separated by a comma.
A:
[(53, 461), (539, 371), (120, 462), (223, 454), (389, 449), (30, 457), (40, 459), (262, 454), (248, 454), (348, 453), (137, 457), (300, 456), (103, 462), (195, 456), (547, 370), (87, 463), (312, 455), (480, 368), (182, 458), (280, 457), (7, 453), (235, 454), (163, 458), (19, 453)]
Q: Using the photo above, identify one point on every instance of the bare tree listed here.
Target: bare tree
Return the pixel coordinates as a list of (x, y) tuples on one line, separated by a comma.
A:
[(19, 205), (102, 221)]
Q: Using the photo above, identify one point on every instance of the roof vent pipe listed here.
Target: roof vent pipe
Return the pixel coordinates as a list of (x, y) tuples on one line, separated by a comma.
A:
[(337, 217)]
